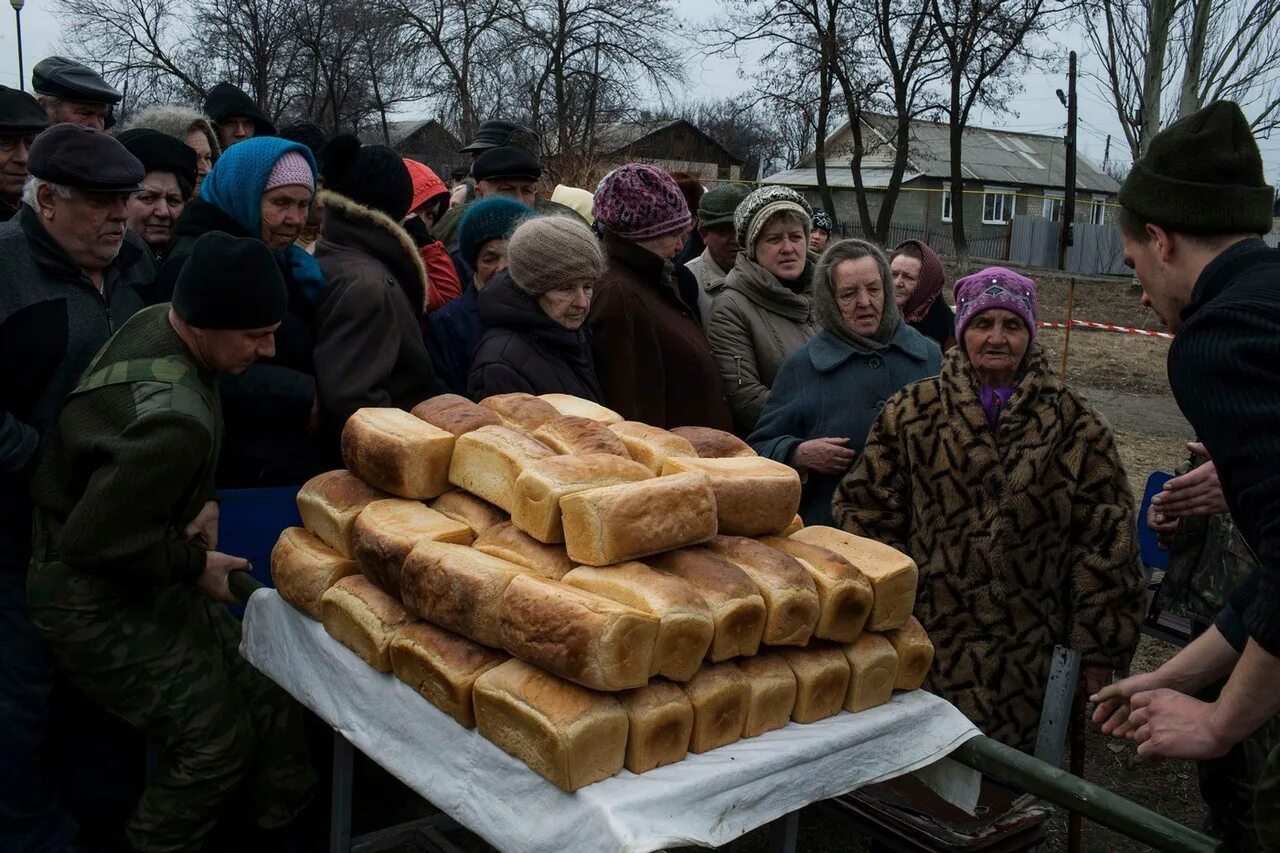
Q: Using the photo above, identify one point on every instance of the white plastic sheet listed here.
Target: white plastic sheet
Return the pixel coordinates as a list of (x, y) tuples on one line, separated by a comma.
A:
[(706, 800)]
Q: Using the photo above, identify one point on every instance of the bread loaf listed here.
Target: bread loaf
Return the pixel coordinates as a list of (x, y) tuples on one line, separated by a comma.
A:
[(329, 504), (660, 723), (618, 523), (458, 589), (386, 531), (455, 414), (520, 410), (567, 734), (578, 436), (797, 523), (685, 626), (303, 568), (721, 698), (737, 610), (396, 452), (512, 544), (650, 445), (542, 484), (790, 597), (487, 461), (873, 669), (844, 593), (773, 693), (892, 573), (470, 510), (822, 681), (915, 654), (713, 443), (567, 404), (442, 667), (578, 635), (754, 496), (363, 618)]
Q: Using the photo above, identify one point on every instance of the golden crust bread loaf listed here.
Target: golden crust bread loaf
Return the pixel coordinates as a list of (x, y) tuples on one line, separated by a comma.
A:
[(567, 404), (685, 626), (303, 568), (487, 461), (586, 638), (470, 510), (660, 723), (797, 523), (520, 410), (893, 574), (455, 414), (442, 667), (329, 503), (915, 654), (844, 593), (822, 681), (458, 589), (386, 531), (510, 543), (398, 453), (713, 443), (363, 618), (737, 610), (576, 436), (567, 734), (721, 698), (650, 445), (873, 669), (754, 496), (542, 484), (790, 597), (613, 524), (773, 693)]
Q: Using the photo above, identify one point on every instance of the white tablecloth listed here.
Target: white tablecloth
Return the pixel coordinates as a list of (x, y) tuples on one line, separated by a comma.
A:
[(707, 799)]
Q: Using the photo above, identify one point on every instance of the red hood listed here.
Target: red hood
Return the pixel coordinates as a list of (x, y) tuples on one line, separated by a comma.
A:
[(426, 183)]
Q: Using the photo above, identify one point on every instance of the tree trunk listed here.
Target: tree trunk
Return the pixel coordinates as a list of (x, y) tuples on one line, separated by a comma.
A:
[(820, 148), (901, 141), (957, 118), (1159, 22), (1189, 101)]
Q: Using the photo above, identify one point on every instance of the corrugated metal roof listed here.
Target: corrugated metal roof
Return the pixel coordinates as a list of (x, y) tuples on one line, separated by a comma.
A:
[(838, 175)]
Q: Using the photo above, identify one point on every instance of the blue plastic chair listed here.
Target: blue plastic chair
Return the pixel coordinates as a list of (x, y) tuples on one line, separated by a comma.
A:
[(250, 521)]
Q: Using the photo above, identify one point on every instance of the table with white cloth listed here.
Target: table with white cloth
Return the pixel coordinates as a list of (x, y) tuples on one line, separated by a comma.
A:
[(707, 800)]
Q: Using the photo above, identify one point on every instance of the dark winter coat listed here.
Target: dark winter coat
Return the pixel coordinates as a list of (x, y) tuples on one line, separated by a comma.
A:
[(939, 325), (452, 335)]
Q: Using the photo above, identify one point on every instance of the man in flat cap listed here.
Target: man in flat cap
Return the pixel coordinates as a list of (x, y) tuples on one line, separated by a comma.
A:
[(71, 92), (67, 275), (1193, 212), (235, 115), (21, 118), (166, 188), (126, 583)]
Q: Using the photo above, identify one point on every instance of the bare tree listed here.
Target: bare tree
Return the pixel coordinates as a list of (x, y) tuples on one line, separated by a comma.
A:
[(143, 42)]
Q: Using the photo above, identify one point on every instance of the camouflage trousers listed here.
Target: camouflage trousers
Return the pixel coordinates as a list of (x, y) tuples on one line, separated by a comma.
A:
[(1242, 791), (167, 662)]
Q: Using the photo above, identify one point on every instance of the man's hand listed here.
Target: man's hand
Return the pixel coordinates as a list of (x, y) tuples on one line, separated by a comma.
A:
[(1196, 493), (1113, 702), (1169, 724), (213, 580), (824, 456), (204, 526)]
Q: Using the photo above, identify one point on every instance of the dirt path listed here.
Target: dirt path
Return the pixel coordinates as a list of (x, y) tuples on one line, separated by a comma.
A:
[(1153, 414)]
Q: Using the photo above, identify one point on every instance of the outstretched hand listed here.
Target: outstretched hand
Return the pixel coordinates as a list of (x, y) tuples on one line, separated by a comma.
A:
[(1196, 493)]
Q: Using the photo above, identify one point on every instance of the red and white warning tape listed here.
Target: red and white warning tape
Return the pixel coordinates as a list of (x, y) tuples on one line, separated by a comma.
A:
[(1108, 327)]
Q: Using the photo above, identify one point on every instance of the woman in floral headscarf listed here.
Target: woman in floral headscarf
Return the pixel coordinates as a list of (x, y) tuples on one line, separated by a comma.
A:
[(917, 284)]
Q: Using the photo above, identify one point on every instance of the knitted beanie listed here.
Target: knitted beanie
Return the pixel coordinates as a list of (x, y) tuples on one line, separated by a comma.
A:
[(640, 202), (371, 175), (718, 206), (1202, 175), (549, 251), (230, 283), (756, 209), (488, 219), (822, 220), (237, 181), (308, 133), (291, 170), (995, 287)]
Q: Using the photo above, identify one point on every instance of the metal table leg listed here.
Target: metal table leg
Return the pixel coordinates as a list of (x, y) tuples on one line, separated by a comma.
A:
[(782, 834), (340, 805)]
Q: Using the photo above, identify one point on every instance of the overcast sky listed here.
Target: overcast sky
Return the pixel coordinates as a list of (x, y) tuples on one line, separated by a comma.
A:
[(1037, 108)]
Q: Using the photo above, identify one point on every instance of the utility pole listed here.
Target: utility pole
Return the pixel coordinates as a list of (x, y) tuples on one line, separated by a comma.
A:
[(17, 17), (1069, 184)]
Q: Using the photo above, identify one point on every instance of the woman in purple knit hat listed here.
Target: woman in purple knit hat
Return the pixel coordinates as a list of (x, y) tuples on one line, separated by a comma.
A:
[(1006, 489)]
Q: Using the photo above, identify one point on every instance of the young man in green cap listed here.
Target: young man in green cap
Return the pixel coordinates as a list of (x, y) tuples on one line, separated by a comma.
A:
[(1194, 210), (715, 226)]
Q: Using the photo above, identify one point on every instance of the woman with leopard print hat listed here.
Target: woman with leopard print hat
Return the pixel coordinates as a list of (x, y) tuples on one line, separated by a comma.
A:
[(1008, 492)]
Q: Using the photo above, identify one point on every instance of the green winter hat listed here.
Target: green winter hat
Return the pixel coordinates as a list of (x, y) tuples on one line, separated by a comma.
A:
[(718, 205), (1202, 175)]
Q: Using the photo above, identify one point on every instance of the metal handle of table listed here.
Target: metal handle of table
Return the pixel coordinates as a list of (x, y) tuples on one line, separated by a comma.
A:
[(1021, 771), (242, 585)]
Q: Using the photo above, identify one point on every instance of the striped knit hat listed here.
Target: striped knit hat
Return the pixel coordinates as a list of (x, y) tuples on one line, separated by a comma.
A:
[(761, 205), (549, 251)]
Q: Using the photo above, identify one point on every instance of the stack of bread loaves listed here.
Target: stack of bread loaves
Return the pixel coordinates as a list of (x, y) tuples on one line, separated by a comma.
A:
[(592, 593)]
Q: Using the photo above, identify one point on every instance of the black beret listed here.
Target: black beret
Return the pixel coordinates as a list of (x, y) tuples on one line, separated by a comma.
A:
[(230, 283), (159, 152), (89, 160), (506, 162), (62, 78), (20, 113), (226, 101), (497, 132)]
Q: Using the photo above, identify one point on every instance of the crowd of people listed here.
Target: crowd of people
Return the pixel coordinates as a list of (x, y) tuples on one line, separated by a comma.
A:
[(199, 302)]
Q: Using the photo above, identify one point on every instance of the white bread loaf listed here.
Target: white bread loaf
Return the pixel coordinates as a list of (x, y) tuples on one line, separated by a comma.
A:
[(442, 667), (737, 610), (510, 543), (386, 531), (398, 453), (773, 693), (303, 568), (844, 593), (790, 597), (915, 654), (363, 618), (685, 626), (660, 723), (578, 635), (624, 522), (822, 681), (893, 574), (487, 461), (754, 496), (721, 698), (470, 510), (520, 410), (569, 735), (458, 589), (455, 414), (873, 669), (797, 523), (329, 503), (578, 436), (651, 446), (542, 484), (567, 404), (713, 443)]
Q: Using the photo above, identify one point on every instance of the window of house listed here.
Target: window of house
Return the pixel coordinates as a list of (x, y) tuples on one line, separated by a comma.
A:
[(997, 205), (1098, 213), (1053, 206), (946, 202)]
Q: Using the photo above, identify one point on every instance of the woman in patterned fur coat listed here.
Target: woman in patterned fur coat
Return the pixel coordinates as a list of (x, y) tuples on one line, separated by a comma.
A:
[(1007, 490)]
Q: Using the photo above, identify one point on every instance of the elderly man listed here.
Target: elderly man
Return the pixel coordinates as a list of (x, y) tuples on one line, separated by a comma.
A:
[(235, 115), (67, 274), (20, 120), (715, 226), (71, 92)]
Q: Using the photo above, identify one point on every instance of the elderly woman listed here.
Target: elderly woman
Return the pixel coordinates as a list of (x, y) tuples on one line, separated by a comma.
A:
[(917, 283), (535, 312), (186, 125), (829, 392), (1007, 491), (765, 310), (166, 189)]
